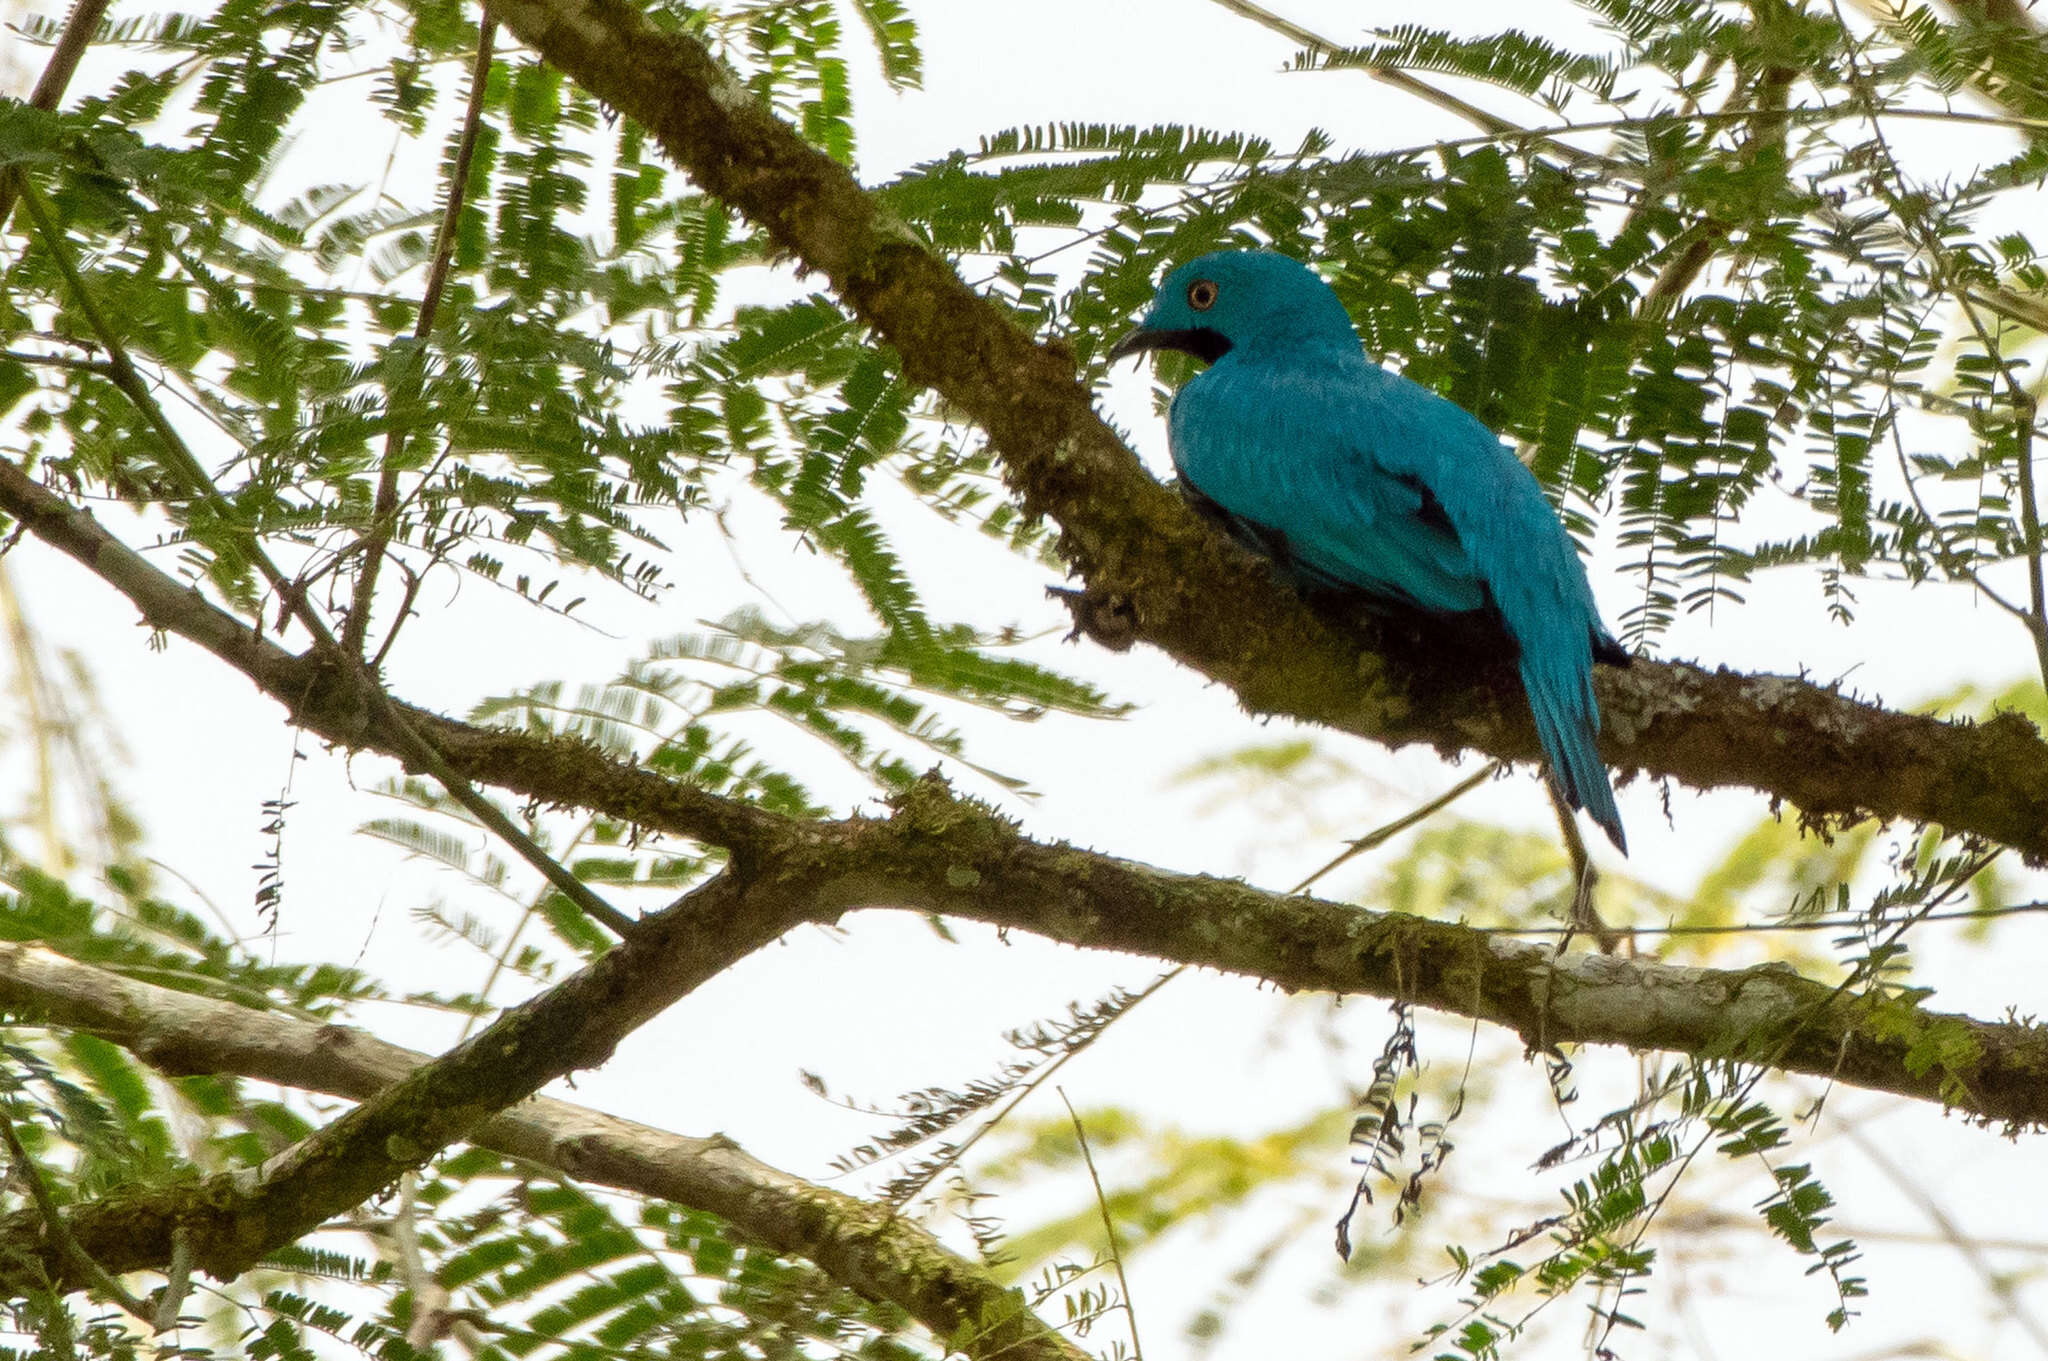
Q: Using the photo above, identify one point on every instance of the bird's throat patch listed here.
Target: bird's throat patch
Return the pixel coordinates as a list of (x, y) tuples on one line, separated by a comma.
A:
[(1203, 342)]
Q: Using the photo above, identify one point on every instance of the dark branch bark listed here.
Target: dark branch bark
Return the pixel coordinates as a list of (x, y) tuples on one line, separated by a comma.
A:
[(862, 1246), (1148, 561), (943, 854)]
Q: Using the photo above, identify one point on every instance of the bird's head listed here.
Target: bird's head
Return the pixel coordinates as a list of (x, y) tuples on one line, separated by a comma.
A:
[(1233, 299)]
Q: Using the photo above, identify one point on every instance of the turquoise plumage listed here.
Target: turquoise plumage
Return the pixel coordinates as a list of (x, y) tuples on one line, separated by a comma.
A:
[(1357, 478)]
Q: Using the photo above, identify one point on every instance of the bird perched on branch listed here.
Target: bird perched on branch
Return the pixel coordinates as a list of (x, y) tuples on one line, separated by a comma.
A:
[(1358, 479)]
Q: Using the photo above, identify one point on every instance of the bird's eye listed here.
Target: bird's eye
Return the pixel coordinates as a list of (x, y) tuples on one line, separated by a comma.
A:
[(1202, 294)]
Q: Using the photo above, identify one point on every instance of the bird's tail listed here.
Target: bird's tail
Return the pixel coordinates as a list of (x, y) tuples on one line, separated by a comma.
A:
[(1559, 682)]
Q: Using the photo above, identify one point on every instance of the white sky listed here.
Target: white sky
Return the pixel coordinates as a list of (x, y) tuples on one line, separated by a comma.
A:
[(1209, 1055)]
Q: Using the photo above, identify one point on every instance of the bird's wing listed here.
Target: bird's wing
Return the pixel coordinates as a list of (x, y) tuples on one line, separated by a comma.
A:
[(1487, 501), (1531, 573), (1288, 456)]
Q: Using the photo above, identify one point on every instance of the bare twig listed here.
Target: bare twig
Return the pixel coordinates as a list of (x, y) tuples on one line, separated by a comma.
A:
[(432, 1319), (1582, 914), (355, 627), (1380, 836), (2025, 409), (1116, 1252), (177, 1282), (1492, 124), (413, 581), (59, 361)]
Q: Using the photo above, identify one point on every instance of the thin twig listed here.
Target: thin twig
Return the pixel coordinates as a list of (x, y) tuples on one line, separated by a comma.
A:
[(177, 1283), (58, 361), (413, 582), (1379, 836), (1763, 928), (79, 27), (1116, 1255), (2025, 408), (431, 1318), (1492, 124), (59, 1231), (1582, 916), (355, 626)]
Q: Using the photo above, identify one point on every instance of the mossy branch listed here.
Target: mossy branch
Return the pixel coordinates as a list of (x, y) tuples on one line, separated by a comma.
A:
[(940, 853), (862, 1246), (230, 1222)]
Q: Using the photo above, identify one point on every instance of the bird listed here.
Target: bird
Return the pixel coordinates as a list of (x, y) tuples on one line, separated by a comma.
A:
[(1357, 479)]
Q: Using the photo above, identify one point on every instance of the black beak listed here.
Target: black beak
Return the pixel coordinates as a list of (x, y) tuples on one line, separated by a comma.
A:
[(1200, 341), (1134, 342)]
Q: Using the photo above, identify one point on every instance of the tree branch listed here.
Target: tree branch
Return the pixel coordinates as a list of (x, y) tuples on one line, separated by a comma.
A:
[(231, 1221), (859, 1245), (939, 853), (1155, 573), (943, 854)]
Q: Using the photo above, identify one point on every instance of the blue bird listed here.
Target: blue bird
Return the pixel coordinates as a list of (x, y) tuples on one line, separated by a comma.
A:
[(1358, 479)]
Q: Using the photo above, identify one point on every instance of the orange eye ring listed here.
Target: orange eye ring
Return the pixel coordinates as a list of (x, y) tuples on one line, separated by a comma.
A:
[(1202, 294)]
